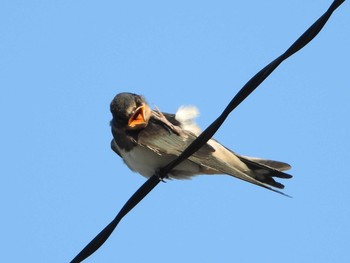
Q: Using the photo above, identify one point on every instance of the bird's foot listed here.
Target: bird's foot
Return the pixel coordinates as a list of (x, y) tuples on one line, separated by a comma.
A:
[(158, 173), (158, 115)]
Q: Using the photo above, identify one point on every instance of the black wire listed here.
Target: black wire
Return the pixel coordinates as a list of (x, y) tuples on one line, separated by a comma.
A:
[(208, 133), (251, 85)]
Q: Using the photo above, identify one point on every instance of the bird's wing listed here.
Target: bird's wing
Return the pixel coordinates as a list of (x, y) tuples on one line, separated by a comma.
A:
[(259, 165), (212, 156), (162, 140)]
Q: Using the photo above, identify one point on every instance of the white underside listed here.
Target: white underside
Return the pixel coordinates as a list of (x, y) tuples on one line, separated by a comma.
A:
[(146, 162)]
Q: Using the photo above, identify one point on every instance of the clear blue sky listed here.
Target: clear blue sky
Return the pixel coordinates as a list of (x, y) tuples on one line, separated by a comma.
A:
[(61, 64)]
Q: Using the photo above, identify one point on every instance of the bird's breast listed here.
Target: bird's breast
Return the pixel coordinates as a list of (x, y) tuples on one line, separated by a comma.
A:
[(142, 160)]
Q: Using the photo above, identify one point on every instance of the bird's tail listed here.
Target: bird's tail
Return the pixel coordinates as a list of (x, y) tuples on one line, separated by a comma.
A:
[(257, 171)]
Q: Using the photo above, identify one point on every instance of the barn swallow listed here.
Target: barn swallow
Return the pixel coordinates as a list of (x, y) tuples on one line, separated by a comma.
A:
[(147, 140)]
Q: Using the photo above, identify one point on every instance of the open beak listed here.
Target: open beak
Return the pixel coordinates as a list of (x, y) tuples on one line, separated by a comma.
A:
[(139, 119)]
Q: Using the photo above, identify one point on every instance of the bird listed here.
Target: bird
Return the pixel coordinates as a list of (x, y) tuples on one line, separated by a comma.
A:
[(148, 139)]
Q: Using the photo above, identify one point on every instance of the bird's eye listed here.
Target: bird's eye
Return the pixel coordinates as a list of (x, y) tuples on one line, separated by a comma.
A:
[(138, 102)]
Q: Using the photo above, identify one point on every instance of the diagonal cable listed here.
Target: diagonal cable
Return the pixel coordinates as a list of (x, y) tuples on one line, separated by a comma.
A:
[(246, 90)]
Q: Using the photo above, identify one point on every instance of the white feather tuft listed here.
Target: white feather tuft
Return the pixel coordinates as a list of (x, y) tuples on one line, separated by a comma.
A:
[(186, 115)]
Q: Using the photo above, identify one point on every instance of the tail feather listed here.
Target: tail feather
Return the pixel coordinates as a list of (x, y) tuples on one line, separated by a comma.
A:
[(280, 166), (267, 167)]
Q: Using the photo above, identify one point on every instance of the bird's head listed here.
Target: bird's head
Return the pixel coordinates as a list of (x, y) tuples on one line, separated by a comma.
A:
[(130, 111)]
